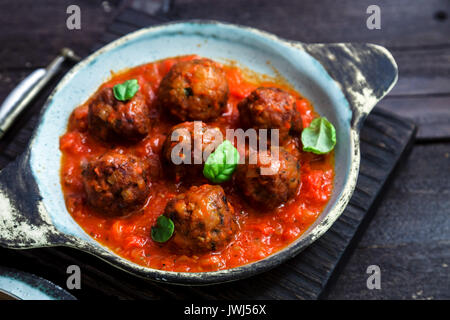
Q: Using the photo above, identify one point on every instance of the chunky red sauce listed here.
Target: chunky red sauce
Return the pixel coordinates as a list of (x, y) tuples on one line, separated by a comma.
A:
[(260, 233)]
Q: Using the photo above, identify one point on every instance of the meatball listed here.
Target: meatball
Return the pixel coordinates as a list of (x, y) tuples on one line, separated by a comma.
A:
[(194, 90), (203, 219), (271, 108), (187, 146), (271, 181), (110, 118), (116, 183)]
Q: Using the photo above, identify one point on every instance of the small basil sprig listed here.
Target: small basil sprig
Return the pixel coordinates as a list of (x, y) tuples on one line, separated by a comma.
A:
[(319, 137), (163, 230), (221, 164), (125, 91)]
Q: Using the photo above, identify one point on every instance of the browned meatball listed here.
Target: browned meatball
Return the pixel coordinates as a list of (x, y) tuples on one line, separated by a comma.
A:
[(116, 183), (203, 218), (271, 108), (194, 90), (187, 146), (110, 118), (269, 182)]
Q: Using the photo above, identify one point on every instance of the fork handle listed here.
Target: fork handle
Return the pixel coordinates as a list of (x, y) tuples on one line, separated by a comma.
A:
[(17, 100), (28, 88)]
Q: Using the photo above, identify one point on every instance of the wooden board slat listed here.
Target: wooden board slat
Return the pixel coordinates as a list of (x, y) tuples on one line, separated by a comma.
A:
[(431, 114), (423, 71)]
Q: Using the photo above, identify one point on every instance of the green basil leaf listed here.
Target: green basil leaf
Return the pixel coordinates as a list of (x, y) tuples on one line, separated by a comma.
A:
[(125, 91), (220, 165), (163, 230), (319, 137)]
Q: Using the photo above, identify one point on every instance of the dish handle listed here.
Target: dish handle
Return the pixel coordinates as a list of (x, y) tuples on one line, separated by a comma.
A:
[(364, 72), (24, 222)]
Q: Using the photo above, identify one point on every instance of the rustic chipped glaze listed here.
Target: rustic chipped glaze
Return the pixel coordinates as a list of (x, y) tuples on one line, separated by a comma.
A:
[(343, 81)]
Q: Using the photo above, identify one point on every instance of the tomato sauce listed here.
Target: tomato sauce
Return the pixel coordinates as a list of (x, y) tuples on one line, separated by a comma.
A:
[(260, 233)]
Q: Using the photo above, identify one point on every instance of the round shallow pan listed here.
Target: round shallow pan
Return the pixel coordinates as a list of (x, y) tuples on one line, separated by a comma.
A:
[(343, 81)]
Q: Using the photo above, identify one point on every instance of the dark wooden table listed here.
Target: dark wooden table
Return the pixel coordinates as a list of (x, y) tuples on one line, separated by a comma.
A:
[(409, 236)]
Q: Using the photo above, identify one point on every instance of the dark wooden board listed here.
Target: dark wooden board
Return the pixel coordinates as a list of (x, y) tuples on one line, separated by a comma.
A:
[(384, 140)]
